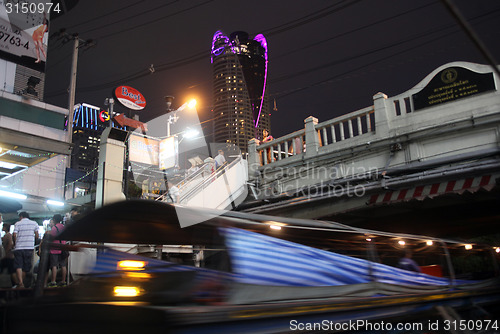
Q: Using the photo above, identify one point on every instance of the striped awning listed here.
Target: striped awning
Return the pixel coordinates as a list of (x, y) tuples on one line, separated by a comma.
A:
[(457, 186)]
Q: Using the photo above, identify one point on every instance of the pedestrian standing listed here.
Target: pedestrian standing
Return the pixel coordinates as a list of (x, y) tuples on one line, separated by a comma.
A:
[(57, 258), (25, 233), (8, 258)]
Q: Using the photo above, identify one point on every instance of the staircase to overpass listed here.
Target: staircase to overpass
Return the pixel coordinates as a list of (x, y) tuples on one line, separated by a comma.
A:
[(221, 189)]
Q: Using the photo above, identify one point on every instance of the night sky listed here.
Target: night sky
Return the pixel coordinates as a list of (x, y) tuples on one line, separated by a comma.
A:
[(326, 58)]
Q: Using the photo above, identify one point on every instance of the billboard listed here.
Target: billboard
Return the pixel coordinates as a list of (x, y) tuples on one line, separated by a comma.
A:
[(169, 152), (24, 27), (143, 150)]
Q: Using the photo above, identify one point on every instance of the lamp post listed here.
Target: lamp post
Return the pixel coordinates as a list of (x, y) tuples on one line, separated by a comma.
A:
[(171, 118)]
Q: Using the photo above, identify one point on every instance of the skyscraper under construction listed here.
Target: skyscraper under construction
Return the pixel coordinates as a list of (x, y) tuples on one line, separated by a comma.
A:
[(241, 108)]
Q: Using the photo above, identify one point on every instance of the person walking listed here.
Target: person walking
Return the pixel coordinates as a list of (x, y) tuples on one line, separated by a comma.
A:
[(173, 192), (219, 159), (25, 233)]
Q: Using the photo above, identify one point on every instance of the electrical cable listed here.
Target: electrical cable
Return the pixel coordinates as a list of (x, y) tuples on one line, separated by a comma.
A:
[(100, 17), (307, 18), (353, 30), (154, 21), (371, 63), (191, 59)]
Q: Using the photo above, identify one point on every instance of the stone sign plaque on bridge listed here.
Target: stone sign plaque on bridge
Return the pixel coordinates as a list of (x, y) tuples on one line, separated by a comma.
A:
[(451, 84)]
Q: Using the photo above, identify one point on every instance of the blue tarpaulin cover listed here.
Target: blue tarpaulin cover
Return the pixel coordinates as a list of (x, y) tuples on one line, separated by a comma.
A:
[(264, 260)]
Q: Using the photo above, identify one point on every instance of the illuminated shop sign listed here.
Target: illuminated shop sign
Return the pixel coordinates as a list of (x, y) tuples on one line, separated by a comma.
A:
[(143, 150), (169, 152), (130, 97)]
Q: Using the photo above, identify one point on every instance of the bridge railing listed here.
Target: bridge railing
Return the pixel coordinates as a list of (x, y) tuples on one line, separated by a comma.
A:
[(281, 148), (402, 105), (326, 133), (346, 126)]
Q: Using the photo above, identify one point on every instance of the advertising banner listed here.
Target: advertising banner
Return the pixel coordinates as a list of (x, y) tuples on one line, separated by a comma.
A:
[(24, 29), (143, 150), (169, 152)]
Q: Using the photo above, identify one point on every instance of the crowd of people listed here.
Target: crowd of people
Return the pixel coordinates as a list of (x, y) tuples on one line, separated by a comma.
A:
[(18, 247)]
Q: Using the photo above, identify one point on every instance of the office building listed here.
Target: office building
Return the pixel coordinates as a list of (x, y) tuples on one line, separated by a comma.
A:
[(241, 108)]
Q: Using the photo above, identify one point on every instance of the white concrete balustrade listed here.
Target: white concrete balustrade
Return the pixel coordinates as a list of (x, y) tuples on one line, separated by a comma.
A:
[(388, 134)]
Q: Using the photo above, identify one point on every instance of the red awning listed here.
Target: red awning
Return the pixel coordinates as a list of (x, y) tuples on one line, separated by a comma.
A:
[(459, 186)]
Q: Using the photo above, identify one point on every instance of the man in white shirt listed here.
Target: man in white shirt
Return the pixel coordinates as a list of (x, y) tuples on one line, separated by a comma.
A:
[(173, 192), (25, 233), (219, 159)]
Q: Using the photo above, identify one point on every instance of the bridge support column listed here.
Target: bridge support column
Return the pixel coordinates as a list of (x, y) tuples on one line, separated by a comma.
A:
[(312, 138), (253, 159)]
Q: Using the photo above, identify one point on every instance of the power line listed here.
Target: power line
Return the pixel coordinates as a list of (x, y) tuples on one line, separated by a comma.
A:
[(100, 17), (156, 20), (200, 55), (362, 66), (353, 31), (471, 34), (407, 39), (440, 29), (309, 18)]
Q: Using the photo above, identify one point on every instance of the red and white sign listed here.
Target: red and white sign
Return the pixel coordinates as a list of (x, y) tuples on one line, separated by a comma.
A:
[(104, 116), (130, 97)]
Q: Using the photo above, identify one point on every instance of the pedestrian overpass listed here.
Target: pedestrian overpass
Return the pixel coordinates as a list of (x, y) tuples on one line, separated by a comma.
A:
[(435, 143)]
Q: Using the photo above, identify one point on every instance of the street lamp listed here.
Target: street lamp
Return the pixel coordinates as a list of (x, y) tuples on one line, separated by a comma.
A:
[(172, 118)]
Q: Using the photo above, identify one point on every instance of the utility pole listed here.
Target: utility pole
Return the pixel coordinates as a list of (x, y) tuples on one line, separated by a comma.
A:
[(72, 82), (110, 102), (72, 89)]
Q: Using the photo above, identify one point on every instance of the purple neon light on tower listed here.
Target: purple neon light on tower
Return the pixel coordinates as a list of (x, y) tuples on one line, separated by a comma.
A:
[(262, 40), (219, 50), (240, 65)]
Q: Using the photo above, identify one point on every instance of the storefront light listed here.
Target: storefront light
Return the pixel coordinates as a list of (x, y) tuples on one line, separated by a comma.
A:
[(12, 195), (55, 203)]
